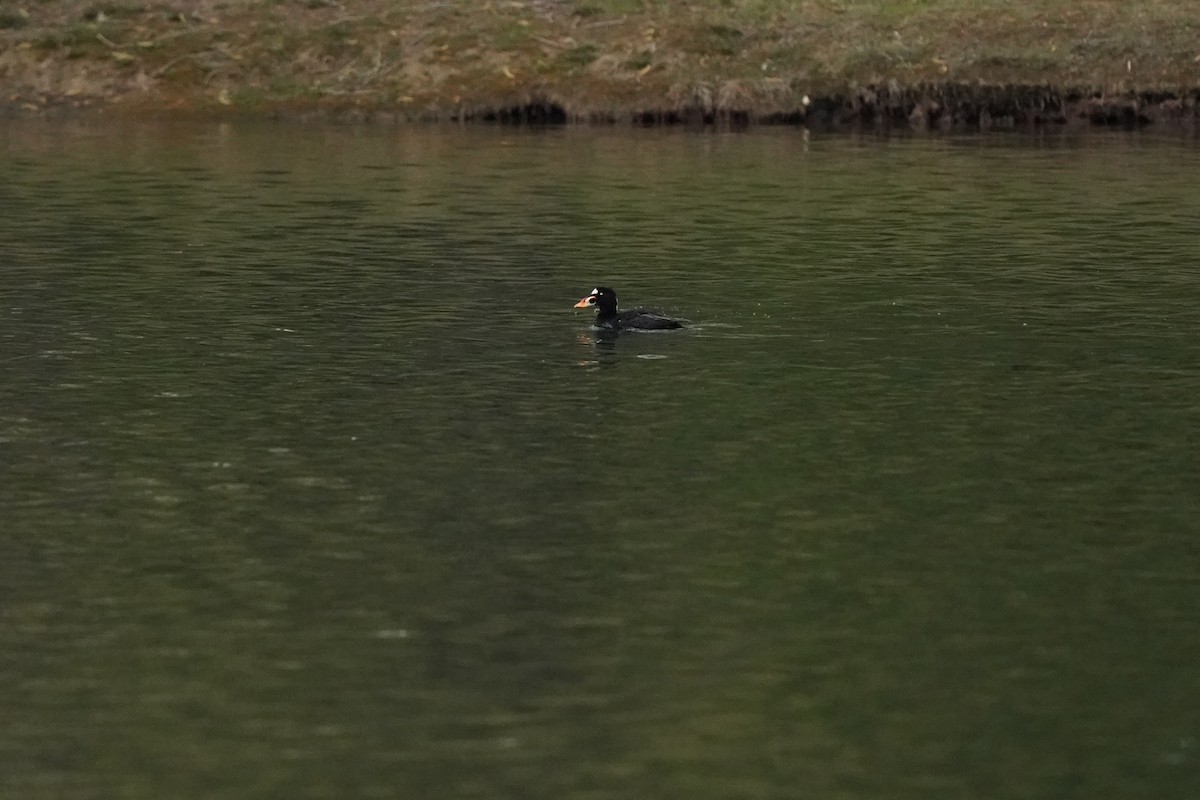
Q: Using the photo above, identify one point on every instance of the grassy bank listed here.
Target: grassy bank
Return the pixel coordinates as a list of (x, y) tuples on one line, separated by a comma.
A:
[(609, 59)]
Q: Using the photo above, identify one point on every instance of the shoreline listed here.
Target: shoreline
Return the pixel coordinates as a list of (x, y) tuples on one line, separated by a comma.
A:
[(932, 108), (957, 65)]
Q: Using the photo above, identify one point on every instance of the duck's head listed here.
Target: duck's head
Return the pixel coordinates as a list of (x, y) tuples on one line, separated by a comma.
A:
[(602, 298)]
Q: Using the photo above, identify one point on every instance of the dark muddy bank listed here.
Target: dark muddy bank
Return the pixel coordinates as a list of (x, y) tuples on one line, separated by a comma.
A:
[(947, 107), (924, 108)]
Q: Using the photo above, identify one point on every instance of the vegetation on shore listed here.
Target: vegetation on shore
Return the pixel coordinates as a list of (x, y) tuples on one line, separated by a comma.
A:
[(913, 60)]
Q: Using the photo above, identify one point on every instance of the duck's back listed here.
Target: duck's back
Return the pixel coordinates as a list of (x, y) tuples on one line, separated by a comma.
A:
[(644, 319)]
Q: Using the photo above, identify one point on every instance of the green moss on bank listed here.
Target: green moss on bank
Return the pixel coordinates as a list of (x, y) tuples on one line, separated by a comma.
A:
[(607, 59)]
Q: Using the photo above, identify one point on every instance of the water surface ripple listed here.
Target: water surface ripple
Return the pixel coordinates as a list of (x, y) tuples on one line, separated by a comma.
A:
[(313, 485)]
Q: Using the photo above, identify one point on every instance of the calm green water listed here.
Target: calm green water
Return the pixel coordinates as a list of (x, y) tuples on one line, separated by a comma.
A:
[(312, 484)]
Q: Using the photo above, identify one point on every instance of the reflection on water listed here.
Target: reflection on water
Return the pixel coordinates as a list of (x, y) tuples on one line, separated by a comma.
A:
[(601, 347), (306, 494)]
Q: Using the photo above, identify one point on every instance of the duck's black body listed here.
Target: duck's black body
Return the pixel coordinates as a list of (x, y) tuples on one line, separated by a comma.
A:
[(637, 319)]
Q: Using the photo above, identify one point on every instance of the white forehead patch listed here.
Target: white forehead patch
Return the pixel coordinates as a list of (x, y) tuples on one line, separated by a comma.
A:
[(595, 291)]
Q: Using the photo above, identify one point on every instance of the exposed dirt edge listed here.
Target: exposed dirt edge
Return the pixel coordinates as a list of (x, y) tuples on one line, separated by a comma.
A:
[(930, 107)]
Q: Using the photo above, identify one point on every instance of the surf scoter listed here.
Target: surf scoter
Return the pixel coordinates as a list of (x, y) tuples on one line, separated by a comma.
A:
[(636, 319)]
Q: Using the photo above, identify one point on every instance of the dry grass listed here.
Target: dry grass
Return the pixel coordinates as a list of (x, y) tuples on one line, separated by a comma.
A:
[(591, 57)]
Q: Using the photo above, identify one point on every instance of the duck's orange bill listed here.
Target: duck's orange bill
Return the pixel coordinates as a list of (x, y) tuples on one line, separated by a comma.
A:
[(584, 303)]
